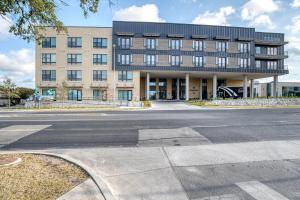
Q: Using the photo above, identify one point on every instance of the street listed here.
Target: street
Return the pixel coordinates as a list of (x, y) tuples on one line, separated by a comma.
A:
[(204, 154)]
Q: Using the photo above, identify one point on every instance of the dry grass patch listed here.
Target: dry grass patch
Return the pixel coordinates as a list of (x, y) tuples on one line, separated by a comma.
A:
[(38, 177)]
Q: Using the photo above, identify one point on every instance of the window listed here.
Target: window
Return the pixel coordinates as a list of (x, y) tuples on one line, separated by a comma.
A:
[(48, 75), (125, 59), (244, 62), (99, 75), (175, 44), (272, 65), (175, 60), (74, 58), (198, 61), (74, 75), (198, 45), (221, 46), (150, 60), (49, 42), (244, 47), (74, 42), (258, 64), (99, 94), (100, 42), (125, 95), (74, 94), (49, 92), (48, 58), (125, 43), (271, 51), (221, 62), (99, 59), (125, 75), (150, 43)]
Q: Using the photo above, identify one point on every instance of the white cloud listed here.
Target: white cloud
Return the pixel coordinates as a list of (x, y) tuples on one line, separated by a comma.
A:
[(19, 66), (4, 27), (215, 18), (257, 12), (294, 59), (147, 13), (296, 3), (295, 26)]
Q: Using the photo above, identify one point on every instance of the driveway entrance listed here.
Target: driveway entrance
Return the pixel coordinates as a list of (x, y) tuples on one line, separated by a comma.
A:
[(172, 105)]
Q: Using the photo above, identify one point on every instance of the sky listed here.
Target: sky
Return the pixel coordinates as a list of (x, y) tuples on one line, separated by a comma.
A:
[(17, 56)]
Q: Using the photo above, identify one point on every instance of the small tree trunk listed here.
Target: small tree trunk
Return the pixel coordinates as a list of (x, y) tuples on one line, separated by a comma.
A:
[(8, 102)]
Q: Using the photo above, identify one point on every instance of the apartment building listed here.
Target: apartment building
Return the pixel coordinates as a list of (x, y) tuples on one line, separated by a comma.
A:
[(284, 89), (149, 61)]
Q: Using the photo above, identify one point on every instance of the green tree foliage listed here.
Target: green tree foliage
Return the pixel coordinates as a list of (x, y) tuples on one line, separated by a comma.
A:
[(24, 93), (29, 16), (8, 88)]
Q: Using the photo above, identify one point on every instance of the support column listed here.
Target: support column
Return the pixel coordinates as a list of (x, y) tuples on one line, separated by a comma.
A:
[(148, 86), (214, 86), (275, 83), (177, 88), (200, 89), (245, 87), (187, 87), (251, 88)]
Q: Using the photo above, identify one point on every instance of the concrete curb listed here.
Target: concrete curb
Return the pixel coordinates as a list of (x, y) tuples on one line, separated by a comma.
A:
[(103, 188)]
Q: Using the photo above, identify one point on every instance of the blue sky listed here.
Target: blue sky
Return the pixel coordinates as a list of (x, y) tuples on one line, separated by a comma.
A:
[(17, 56)]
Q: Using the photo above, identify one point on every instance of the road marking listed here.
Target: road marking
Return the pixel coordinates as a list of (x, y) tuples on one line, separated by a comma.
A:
[(260, 191), (221, 197), (171, 137), (11, 134), (215, 154)]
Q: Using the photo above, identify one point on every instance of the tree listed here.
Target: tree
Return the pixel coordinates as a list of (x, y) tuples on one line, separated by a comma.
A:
[(29, 16), (8, 89), (62, 91), (24, 93)]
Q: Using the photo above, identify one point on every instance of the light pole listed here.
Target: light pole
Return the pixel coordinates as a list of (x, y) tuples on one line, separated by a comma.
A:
[(114, 76)]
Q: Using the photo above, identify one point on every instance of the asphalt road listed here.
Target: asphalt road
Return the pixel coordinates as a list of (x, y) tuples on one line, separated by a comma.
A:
[(241, 180), (121, 128)]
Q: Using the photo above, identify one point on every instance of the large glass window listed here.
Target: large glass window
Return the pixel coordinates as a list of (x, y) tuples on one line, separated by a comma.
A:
[(74, 42), (125, 95), (48, 75), (244, 62), (271, 51), (150, 60), (48, 58), (258, 50), (74, 75), (99, 75), (258, 64), (99, 59), (198, 45), (49, 42), (175, 60), (49, 92), (125, 59), (198, 61), (272, 65), (100, 42), (125, 75), (125, 43), (244, 47), (99, 94), (221, 62), (75, 94), (74, 58), (150, 43), (175, 44), (221, 46)]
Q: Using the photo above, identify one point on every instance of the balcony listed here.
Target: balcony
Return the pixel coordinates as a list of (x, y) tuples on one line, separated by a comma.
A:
[(270, 57), (270, 42)]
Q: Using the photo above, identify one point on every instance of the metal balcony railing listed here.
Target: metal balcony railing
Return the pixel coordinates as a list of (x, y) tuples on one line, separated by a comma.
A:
[(286, 53), (286, 67)]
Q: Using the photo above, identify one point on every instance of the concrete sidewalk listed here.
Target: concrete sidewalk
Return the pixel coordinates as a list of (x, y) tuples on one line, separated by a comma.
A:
[(148, 172)]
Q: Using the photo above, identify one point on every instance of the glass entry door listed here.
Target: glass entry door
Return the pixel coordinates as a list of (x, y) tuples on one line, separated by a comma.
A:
[(162, 88)]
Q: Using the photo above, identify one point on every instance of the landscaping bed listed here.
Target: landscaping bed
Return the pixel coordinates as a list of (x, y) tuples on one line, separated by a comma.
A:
[(38, 177)]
